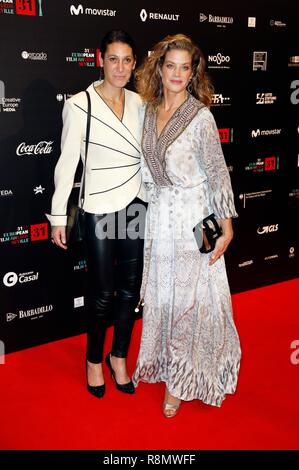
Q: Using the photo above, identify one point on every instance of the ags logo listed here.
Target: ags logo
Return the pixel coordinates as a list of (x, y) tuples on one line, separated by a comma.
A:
[(267, 229)]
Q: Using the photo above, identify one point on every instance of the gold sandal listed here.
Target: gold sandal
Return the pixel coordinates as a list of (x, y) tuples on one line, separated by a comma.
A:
[(170, 409)]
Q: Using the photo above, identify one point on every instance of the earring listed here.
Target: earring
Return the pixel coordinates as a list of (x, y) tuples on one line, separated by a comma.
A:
[(190, 87)]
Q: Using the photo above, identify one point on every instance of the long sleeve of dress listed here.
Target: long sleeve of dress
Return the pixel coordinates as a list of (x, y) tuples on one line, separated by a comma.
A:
[(212, 161), (65, 169)]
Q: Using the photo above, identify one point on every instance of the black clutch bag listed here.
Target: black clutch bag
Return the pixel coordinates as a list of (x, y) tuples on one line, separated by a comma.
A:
[(75, 229), (206, 233)]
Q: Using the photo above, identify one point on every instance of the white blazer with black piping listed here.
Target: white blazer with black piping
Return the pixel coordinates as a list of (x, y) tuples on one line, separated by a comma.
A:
[(113, 177)]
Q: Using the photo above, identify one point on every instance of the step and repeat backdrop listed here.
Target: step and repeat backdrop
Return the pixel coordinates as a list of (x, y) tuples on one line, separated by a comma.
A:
[(49, 50)]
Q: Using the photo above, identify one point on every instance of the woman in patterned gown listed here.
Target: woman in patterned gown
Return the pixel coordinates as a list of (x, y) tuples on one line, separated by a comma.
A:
[(189, 339)]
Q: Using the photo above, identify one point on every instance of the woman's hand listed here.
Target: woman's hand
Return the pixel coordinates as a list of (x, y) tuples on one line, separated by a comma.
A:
[(59, 236), (223, 241)]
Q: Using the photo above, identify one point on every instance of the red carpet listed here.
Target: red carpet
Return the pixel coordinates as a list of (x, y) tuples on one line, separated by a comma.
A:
[(44, 404)]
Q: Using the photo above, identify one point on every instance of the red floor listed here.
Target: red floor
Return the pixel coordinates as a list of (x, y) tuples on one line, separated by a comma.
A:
[(44, 404)]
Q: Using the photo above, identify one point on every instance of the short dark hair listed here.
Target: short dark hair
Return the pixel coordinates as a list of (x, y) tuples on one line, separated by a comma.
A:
[(117, 35)]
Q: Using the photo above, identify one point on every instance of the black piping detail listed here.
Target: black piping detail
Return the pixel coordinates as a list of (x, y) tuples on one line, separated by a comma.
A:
[(111, 167), (107, 125), (115, 150), (115, 187)]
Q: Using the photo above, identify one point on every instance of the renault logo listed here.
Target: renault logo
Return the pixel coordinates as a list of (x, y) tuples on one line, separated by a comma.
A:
[(143, 15)]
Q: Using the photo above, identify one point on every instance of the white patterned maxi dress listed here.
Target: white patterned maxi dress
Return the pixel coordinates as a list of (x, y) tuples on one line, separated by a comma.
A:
[(189, 339)]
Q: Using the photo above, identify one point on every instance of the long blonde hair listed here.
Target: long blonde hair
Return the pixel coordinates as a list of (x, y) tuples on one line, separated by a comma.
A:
[(148, 77)]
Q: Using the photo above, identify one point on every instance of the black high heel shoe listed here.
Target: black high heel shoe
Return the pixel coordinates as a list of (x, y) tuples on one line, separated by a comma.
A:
[(97, 390), (126, 388)]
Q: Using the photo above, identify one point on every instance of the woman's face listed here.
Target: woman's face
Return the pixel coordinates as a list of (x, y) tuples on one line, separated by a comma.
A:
[(176, 70), (118, 63)]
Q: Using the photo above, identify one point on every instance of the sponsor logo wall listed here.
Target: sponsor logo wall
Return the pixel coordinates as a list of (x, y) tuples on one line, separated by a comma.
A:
[(52, 52)]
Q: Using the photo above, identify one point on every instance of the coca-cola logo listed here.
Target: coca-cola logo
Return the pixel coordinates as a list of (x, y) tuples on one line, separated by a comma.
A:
[(42, 148)]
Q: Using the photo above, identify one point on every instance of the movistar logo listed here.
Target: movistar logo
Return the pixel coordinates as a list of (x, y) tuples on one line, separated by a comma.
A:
[(76, 10)]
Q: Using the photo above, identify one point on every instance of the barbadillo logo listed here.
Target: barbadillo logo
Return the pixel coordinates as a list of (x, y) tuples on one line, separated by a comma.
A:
[(28, 313), (35, 311), (10, 316), (216, 19)]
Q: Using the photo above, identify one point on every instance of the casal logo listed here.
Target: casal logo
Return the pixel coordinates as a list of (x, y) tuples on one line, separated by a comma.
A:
[(10, 279)]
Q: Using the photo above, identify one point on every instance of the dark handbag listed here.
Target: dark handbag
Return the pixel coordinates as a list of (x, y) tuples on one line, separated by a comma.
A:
[(75, 227), (206, 233)]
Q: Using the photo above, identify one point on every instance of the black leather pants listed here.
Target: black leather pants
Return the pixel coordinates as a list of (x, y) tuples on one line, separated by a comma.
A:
[(114, 279)]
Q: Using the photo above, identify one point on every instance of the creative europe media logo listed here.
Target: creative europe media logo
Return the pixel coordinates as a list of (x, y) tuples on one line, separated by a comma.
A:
[(8, 104)]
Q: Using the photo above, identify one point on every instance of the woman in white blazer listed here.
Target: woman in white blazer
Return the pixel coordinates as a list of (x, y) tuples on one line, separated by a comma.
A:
[(113, 191)]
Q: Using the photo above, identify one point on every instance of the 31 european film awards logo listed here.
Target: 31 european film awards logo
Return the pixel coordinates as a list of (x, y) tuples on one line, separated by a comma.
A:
[(29, 7)]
